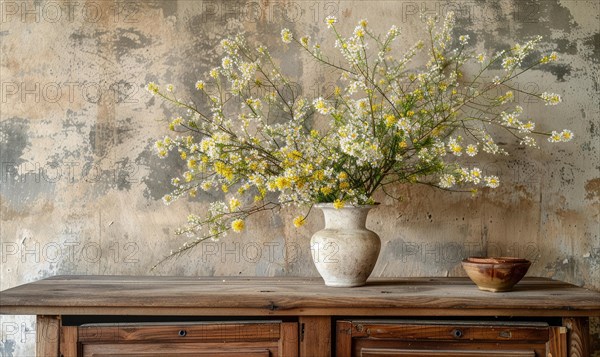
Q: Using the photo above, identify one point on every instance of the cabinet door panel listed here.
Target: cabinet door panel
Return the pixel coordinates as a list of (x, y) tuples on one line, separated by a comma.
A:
[(178, 349), (190, 332), (441, 338), (377, 352), (195, 354)]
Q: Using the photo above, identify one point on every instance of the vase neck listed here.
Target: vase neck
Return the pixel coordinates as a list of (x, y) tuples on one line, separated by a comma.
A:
[(349, 217)]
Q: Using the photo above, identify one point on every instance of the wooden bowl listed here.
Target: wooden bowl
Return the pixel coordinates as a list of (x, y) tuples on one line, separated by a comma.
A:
[(496, 274)]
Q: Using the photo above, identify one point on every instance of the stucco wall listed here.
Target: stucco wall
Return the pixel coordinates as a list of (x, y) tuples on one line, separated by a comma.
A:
[(80, 186)]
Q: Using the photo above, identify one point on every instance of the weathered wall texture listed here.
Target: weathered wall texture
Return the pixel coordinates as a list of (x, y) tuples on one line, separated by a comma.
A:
[(80, 187)]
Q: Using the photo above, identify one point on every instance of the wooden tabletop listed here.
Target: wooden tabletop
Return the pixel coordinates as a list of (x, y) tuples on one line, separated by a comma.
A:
[(195, 296)]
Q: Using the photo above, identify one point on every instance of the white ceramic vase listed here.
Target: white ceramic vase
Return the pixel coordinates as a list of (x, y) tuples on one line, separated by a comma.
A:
[(345, 252)]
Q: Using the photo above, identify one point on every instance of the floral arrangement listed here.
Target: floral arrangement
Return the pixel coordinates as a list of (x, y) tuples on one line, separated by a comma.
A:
[(387, 122)]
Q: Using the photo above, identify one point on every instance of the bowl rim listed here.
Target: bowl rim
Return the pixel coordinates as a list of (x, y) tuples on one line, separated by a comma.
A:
[(495, 260)]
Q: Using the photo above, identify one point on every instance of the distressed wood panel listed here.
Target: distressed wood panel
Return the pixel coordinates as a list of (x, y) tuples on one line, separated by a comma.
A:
[(68, 341), (288, 341), (47, 336), (315, 336), (343, 338), (271, 296)]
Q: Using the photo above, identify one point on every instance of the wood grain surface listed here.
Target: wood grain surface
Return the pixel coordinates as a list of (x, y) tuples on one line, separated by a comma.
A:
[(116, 295)]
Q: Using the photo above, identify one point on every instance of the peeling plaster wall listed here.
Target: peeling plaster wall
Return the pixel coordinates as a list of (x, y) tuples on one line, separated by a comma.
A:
[(80, 186)]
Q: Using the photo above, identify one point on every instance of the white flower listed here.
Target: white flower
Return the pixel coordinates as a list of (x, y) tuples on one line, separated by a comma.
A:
[(492, 181), (393, 31), (447, 181), (455, 147), (471, 150), (286, 36), (554, 137), (226, 62), (529, 141), (566, 135), (359, 31), (321, 106), (474, 176), (330, 21), (551, 98), (464, 39)]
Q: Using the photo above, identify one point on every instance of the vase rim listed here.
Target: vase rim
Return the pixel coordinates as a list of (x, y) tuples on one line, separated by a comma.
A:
[(330, 205)]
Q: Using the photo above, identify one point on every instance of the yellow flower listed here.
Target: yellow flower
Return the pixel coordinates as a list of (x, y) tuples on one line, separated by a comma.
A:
[(337, 204), (234, 204), (294, 155), (299, 221), (188, 176), (343, 176), (344, 185), (403, 144), (390, 120), (224, 188), (325, 190), (282, 183), (200, 85), (152, 87), (193, 192), (183, 155), (238, 225)]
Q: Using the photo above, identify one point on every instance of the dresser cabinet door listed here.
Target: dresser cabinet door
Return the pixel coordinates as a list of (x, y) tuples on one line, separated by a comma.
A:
[(444, 338), (219, 339)]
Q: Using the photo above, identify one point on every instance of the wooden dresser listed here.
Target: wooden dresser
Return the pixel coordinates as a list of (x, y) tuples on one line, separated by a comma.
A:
[(109, 316)]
